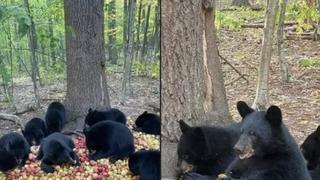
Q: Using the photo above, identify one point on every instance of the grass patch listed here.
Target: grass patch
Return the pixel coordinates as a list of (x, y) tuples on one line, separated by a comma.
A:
[(309, 62)]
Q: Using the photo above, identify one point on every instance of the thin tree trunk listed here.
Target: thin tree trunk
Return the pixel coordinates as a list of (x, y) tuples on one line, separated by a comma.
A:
[(156, 36), (283, 65), (128, 54), (86, 77), (125, 27), (33, 46), (261, 101), (145, 39), (112, 32), (10, 58), (137, 44), (52, 45)]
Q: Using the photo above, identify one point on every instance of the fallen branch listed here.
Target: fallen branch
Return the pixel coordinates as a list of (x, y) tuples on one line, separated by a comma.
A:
[(12, 118), (233, 81), (235, 69)]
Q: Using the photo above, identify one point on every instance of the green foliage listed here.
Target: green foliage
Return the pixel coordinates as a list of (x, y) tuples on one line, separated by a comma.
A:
[(155, 70), (303, 14), (309, 62), (234, 19)]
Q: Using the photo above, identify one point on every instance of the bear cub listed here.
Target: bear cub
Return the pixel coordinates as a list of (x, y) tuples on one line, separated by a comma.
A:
[(148, 123), (56, 149), (146, 164), (113, 114), (311, 151), (14, 151), (109, 139), (35, 130), (206, 150), (55, 117), (265, 149)]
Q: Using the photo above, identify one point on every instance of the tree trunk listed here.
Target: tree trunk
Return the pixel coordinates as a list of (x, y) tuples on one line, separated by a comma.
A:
[(138, 26), (125, 26), (33, 46), (52, 45), (156, 35), (145, 39), (112, 32), (86, 77), (283, 64), (189, 84), (261, 101), (128, 54)]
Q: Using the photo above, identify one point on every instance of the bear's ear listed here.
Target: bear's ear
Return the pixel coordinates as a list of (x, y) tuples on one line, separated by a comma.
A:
[(146, 112), (274, 115), (318, 132), (90, 110), (243, 109), (184, 126)]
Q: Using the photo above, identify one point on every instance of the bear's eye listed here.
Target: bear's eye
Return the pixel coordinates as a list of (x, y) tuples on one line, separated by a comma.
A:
[(251, 133), (185, 156)]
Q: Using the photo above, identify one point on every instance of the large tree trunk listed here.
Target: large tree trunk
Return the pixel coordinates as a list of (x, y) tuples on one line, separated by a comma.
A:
[(190, 87), (112, 32), (86, 77), (261, 101)]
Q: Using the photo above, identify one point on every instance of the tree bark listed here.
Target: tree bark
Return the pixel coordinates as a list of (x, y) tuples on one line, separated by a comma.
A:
[(285, 76), (189, 84), (86, 77), (145, 39), (261, 101)]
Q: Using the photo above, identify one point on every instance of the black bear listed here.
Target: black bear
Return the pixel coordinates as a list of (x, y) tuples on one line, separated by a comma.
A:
[(311, 151), (265, 149), (206, 150), (113, 114), (14, 151), (148, 123), (109, 139), (146, 164), (55, 117), (35, 130), (56, 149)]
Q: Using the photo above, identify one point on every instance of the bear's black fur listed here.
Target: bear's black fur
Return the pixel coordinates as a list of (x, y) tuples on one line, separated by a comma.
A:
[(56, 149), (113, 114), (35, 130), (148, 123), (146, 164), (14, 151), (265, 149), (55, 117), (206, 150), (109, 139), (311, 151)]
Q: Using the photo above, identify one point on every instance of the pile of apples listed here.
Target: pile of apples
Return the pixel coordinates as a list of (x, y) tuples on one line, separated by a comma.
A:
[(88, 170)]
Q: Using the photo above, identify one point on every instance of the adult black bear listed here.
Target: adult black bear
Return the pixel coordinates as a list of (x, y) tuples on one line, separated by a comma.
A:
[(265, 149), (56, 149), (311, 151), (113, 114), (206, 150), (14, 151), (35, 130), (55, 117), (109, 139), (146, 164), (148, 123)]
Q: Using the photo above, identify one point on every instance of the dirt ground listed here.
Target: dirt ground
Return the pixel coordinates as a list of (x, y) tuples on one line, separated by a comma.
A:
[(298, 99), (145, 96)]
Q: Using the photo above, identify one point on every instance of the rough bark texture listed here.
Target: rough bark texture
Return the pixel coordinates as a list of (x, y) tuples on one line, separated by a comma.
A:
[(86, 78), (261, 101), (285, 76), (189, 84)]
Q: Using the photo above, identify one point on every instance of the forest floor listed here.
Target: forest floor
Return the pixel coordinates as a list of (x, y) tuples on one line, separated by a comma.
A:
[(299, 99), (145, 96)]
